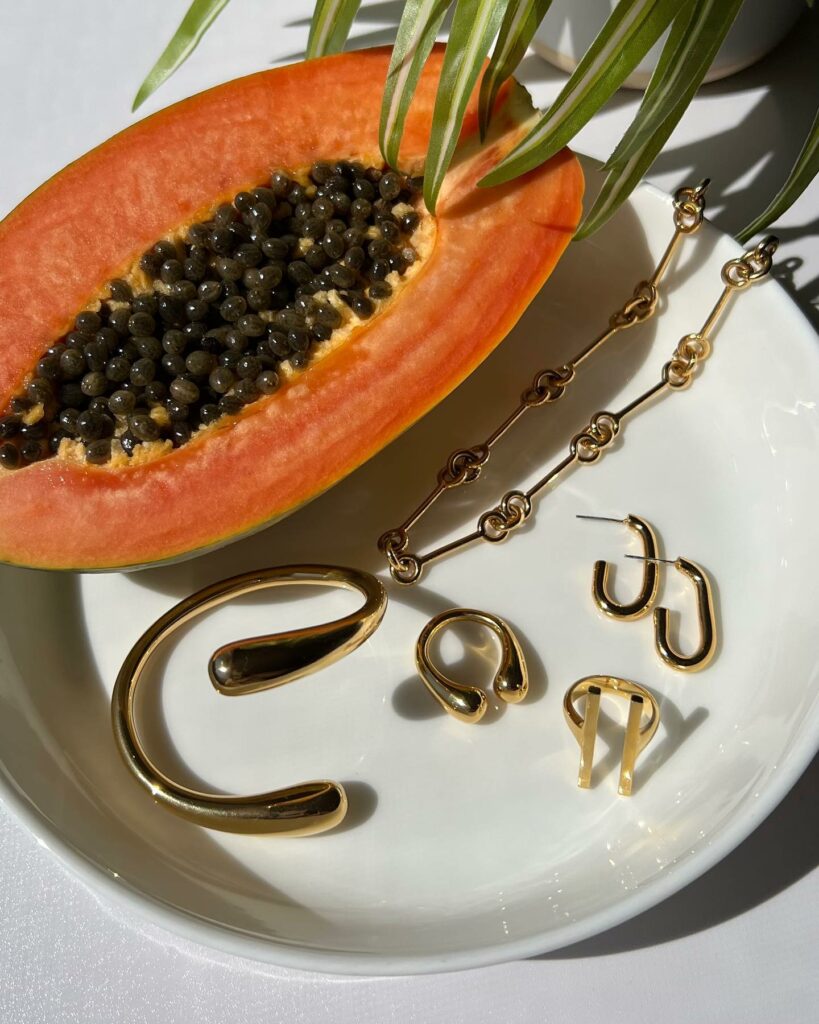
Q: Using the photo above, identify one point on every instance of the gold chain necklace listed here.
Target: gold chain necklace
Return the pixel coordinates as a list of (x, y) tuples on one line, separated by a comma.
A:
[(464, 465)]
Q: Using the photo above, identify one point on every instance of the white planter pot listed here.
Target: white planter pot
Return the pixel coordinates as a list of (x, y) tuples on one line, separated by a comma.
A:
[(570, 27)]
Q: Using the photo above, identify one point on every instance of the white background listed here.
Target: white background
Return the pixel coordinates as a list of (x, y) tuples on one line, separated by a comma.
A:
[(737, 945)]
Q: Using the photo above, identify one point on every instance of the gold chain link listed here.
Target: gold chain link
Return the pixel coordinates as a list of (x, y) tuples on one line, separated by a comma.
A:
[(589, 443), (464, 465)]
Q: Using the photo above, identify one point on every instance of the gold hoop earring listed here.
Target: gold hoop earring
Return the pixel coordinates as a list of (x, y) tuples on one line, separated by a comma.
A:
[(245, 667), (643, 719), (705, 614), (468, 703), (651, 580)]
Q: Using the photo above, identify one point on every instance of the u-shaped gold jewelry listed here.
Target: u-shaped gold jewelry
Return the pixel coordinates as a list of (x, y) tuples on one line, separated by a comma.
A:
[(244, 667), (643, 719), (705, 613), (648, 592), (468, 703)]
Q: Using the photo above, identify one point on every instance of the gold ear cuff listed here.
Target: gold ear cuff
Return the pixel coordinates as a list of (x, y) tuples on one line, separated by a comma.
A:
[(245, 667), (468, 703), (643, 719)]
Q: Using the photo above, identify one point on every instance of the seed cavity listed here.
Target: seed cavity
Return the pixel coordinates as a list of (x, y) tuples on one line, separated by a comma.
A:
[(224, 313)]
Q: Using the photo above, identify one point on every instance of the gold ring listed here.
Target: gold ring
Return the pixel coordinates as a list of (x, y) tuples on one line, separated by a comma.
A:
[(643, 720), (468, 703)]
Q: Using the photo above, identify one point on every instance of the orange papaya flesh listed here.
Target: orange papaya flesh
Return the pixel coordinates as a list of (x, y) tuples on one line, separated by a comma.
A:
[(489, 252)]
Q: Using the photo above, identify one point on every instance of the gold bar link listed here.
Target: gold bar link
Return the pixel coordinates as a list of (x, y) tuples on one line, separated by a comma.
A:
[(631, 744), (446, 549), (689, 209), (587, 737), (552, 475), (593, 346), (507, 424), (427, 503), (464, 465), (665, 259), (589, 443), (641, 400)]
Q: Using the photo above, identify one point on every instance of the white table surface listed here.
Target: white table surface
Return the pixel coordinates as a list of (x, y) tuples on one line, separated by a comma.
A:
[(740, 944)]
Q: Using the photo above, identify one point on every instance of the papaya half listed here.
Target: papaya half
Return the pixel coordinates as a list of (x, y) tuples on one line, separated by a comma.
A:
[(236, 292)]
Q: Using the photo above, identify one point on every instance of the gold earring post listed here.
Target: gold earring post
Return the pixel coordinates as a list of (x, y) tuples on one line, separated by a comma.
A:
[(299, 810), (648, 592)]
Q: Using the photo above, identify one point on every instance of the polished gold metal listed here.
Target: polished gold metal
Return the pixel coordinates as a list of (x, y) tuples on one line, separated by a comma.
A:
[(245, 667), (464, 465), (643, 719), (585, 448), (468, 703), (651, 578), (705, 613), (262, 662)]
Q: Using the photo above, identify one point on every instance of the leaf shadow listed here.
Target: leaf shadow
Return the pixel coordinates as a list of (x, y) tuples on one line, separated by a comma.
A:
[(751, 166)]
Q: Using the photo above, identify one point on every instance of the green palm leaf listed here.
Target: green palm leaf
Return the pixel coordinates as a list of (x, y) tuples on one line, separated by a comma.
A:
[(699, 31), (473, 28), (632, 29), (200, 16), (332, 20), (519, 26), (802, 174), (696, 35), (417, 30)]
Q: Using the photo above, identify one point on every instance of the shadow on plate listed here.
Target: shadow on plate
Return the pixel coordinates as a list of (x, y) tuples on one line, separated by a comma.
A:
[(57, 746), (675, 729), (780, 852)]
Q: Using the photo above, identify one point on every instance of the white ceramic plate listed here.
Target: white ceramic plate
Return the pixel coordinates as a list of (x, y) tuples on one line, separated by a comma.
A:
[(467, 845)]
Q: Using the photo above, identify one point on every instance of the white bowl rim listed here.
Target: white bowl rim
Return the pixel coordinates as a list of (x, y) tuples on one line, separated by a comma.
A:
[(225, 939)]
